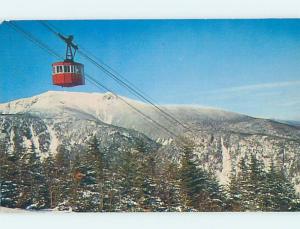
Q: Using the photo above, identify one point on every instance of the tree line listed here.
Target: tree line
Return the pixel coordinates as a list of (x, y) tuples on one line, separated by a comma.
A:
[(92, 181)]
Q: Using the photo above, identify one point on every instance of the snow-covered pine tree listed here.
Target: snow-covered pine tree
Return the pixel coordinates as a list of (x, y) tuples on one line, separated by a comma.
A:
[(251, 180), (169, 188), (131, 181), (281, 195), (33, 191), (217, 199), (63, 178), (51, 180), (242, 181), (257, 183), (259, 190), (200, 190), (9, 191), (10, 171), (98, 168), (151, 200), (98, 188), (188, 176), (90, 169), (233, 191)]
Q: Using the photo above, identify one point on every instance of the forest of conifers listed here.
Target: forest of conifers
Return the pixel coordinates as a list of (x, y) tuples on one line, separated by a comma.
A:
[(93, 181)]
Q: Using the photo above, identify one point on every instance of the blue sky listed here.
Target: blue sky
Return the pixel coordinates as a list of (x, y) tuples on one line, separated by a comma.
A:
[(245, 66)]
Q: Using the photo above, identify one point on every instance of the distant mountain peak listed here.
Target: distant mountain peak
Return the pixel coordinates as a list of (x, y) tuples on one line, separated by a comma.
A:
[(108, 108)]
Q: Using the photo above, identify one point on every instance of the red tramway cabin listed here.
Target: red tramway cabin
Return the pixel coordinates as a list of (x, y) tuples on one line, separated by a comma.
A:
[(68, 73)]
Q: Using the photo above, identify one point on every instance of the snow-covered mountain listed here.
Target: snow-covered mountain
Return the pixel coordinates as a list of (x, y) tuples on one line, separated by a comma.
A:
[(54, 118), (112, 110)]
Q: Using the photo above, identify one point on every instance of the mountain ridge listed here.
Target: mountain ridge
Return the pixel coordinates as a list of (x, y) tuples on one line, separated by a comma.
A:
[(112, 110)]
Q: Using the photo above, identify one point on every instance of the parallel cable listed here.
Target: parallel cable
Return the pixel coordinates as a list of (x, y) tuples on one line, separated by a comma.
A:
[(56, 31), (30, 37), (40, 44), (98, 84), (123, 82)]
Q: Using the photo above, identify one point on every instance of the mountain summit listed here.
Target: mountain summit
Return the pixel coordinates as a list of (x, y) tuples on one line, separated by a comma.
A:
[(110, 109)]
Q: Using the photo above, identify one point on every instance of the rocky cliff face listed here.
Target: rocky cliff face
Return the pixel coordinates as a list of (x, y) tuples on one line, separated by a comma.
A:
[(49, 135)]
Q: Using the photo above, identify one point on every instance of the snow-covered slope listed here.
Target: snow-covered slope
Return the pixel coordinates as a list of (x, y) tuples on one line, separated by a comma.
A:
[(49, 135), (105, 106), (112, 110)]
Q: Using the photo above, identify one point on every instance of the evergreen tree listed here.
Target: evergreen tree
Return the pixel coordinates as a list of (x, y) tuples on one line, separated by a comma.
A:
[(234, 194), (98, 168), (137, 181), (251, 183), (10, 171), (254, 189), (242, 181), (151, 200), (169, 188), (131, 180), (281, 194), (33, 190), (51, 180), (9, 190), (256, 186), (200, 190), (80, 185), (63, 179), (97, 189)]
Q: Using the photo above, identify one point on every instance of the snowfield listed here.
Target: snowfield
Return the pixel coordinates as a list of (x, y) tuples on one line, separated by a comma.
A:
[(110, 109)]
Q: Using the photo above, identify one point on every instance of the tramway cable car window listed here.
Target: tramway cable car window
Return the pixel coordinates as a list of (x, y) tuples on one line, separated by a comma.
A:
[(66, 68), (77, 69)]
